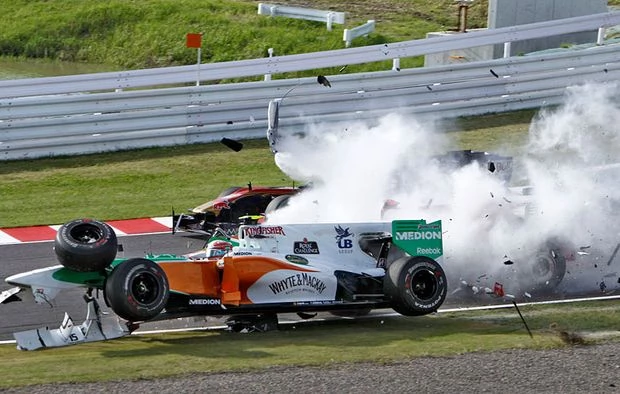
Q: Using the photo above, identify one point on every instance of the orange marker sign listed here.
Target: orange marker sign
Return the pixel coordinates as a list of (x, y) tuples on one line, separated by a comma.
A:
[(193, 40)]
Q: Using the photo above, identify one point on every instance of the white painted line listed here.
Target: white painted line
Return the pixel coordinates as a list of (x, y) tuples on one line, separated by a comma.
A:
[(117, 231), (164, 221), (7, 239)]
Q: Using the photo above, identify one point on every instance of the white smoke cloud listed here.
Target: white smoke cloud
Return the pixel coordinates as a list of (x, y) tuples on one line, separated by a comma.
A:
[(355, 167)]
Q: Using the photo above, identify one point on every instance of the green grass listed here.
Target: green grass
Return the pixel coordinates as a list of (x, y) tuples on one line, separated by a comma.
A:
[(392, 339), (151, 33), (150, 182)]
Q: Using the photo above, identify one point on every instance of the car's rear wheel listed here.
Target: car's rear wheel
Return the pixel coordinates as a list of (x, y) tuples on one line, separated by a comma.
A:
[(85, 245), (415, 285), (137, 289)]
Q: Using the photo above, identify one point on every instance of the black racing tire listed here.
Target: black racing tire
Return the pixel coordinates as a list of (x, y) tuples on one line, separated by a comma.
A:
[(277, 203), (85, 245), (359, 312), (416, 286), (228, 191), (137, 290), (546, 271)]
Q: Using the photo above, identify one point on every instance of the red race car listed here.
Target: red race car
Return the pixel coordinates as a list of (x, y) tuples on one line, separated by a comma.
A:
[(231, 208)]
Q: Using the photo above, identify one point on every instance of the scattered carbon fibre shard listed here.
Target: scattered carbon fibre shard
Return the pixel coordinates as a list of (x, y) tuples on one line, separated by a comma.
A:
[(323, 81)]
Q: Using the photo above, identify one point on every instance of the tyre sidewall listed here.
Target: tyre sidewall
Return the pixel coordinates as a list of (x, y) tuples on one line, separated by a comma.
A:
[(398, 286), (416, 303), (81, 256), (120, 295)]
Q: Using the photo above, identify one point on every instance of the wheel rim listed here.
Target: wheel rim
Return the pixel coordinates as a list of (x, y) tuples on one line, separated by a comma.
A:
[(145, 288), (86, 234), (543, 267), (423, 284)]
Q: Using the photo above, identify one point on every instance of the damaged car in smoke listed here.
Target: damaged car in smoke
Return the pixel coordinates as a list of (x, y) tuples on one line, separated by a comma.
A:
[(343, 268), (232, 207), (425, 186)]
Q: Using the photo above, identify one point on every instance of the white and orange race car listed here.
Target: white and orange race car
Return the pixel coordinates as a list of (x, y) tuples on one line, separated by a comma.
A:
[(344, 268)]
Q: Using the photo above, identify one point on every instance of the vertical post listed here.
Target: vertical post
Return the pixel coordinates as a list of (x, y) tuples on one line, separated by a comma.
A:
[(396, 64), (330, 16), (198, 65), (463, 6), (507, 49), (194, 40), (347, 38), (270, 52), (601, 36)]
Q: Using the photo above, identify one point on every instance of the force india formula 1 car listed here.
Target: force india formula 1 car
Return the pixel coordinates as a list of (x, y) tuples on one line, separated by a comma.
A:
[(269, 269)]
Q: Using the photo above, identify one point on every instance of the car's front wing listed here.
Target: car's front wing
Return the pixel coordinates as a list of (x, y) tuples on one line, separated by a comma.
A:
[(95, 328)]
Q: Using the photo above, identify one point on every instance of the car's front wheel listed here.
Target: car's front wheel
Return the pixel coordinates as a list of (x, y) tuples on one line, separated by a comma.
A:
[(137, 289)]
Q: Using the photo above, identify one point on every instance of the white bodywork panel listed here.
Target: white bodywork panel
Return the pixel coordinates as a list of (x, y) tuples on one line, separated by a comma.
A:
[(94, 328)]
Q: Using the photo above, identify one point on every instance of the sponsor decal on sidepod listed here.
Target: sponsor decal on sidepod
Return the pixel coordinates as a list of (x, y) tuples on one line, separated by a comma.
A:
[(290, 286)]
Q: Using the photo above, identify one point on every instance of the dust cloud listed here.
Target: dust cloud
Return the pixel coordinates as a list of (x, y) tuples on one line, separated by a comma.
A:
[(494, 231)]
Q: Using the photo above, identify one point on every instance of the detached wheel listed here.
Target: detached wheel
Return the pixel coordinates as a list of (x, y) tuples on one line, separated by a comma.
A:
[(85, 245), (277, 203), (416, 286), (137, 290), (546, 271)]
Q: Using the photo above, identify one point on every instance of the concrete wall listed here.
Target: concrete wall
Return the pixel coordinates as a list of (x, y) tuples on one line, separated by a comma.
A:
[(503, 13)]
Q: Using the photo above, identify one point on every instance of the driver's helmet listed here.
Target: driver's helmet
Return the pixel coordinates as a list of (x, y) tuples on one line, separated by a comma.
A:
[(217, 249)]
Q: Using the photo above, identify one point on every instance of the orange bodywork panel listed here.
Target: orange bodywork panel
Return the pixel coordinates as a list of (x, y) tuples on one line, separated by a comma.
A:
[(239, 273), (193, 277)]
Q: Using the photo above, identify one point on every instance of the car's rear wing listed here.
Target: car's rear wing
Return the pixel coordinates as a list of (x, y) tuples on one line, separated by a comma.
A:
[(272, 123), (418, 238)]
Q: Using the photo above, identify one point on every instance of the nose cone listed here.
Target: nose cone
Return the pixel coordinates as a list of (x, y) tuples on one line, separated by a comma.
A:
[(39, 277)]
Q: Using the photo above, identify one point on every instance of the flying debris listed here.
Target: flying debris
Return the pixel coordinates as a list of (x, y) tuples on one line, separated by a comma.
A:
[(232, 144), (613, 255), (498, 289), (323, 81), (494, 73)]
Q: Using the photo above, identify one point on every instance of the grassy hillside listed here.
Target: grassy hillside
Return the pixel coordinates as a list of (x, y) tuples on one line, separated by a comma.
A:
[(132, 34), (151, 33)]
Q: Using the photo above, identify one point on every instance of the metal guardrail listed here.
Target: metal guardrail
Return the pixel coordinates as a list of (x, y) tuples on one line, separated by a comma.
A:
[(363, 30), (329, 17), (58, 124), (307, 61)]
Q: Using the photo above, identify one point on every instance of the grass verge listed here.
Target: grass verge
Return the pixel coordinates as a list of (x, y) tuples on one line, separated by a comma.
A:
[(392, 339)]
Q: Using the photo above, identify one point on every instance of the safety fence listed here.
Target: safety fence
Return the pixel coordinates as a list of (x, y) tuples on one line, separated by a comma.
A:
[(85, 114)]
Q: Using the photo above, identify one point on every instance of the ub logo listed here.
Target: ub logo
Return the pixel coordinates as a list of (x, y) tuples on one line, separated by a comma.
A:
[(342, 238)]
